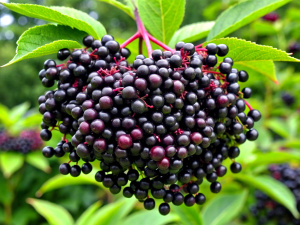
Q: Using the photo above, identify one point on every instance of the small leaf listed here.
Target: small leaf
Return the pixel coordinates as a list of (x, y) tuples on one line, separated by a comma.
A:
[(37, 160), (121, 6), (265, 68), (273, 188), (161, 17), (150, 218), (263, 28), (31, 120), (54, 214), (18, 111), (60, 181), (279, 127), (87, 214), (10, 162), (4, 115), (113, 213), (224, 208), (191, 32), (45, 40), (273, 157), (241, 14), (188, 215), (61, 15)]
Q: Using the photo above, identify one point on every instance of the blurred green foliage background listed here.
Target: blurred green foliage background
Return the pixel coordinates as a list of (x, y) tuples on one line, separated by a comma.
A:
[(279, 103)]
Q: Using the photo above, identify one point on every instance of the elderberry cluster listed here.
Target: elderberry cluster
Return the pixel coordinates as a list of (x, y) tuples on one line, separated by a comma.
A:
[(268, 210), (28, 140), (158, 126)]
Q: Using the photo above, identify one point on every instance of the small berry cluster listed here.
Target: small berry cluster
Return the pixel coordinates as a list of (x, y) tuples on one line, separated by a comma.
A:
[(268, 210), (28, 140), (158, 126)]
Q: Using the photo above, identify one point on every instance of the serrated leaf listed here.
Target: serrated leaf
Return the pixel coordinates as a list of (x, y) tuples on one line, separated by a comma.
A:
[(61, 15), (60, 181), (10, 162), (191, 32), (256, 57), (53, 213), (224, 208), (243, 51), (273, 188), (121, 6), (265, 68), (162, 17), (37, 160), (188, 215), (241, 14), (139, 218), (45, 40), (87, 214), (113, 213)]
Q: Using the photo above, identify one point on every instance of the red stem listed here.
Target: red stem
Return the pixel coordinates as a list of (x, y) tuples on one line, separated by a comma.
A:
[(131, 39), (248, 105), (154, 40), (143, 31), (140, 45)]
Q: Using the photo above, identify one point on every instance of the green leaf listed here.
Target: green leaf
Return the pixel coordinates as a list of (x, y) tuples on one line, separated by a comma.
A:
[(4, 115), (10, 162), (241, 14), (141, 217), (121, 6), (246, 54), (45, 40), (273, 188), (278, 126), (18, 112), (54, 214), (60, 181), (61, 15), (87, 214), (32, 120), (273, 157), (192, 32), (265, 68), (188, 215), (263, 28), (37, 160), (162, 17), (112, 214), (224, 208)]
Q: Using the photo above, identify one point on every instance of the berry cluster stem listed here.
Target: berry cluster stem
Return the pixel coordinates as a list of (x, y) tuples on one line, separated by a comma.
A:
[(142, 34), (248, 105), (142, 31)]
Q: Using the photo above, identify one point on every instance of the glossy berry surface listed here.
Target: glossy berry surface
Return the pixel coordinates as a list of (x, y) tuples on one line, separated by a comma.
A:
[(158, 126)]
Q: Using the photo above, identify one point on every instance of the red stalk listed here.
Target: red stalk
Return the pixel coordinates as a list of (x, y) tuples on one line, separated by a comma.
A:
[(131, 39), (248, 105), (154, 40)]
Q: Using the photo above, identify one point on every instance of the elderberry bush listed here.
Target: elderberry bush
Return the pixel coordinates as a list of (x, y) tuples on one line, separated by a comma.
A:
[(27, 141), (268, 210), (158, 127)]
